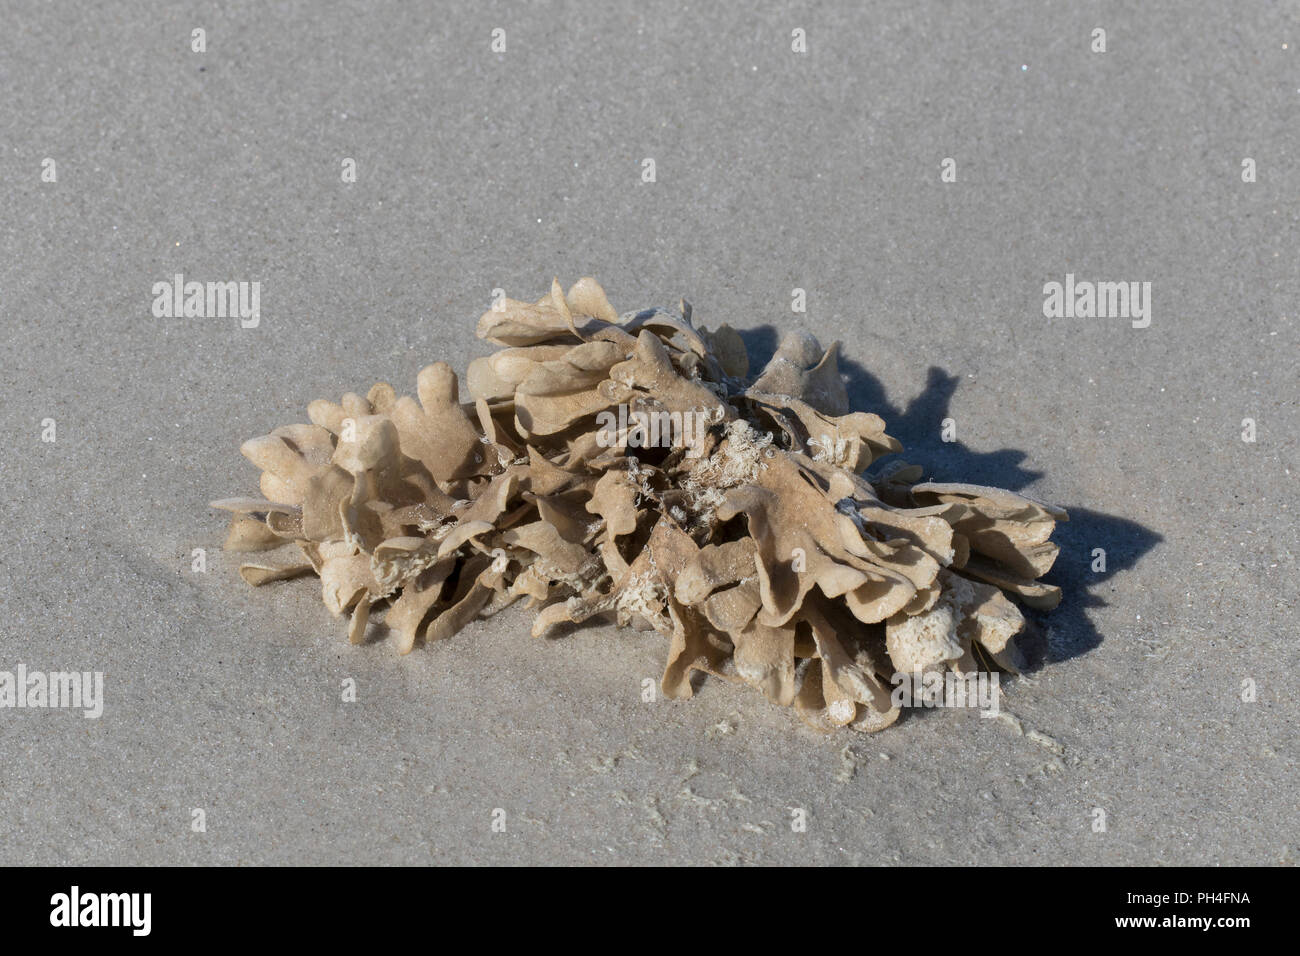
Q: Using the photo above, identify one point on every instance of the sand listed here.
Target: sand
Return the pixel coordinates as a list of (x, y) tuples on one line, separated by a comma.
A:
[(774, 171)]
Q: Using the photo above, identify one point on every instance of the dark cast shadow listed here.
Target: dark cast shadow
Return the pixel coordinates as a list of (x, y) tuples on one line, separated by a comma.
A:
[(1051, 636)]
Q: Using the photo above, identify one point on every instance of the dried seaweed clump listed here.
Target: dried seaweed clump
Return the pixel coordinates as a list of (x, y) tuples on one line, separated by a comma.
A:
[(625, 467)]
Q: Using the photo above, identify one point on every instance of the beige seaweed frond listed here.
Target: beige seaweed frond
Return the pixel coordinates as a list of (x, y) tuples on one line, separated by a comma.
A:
[(620, 467)]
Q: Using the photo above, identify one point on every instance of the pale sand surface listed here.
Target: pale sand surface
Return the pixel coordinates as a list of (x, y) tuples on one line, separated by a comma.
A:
[(775, 171)]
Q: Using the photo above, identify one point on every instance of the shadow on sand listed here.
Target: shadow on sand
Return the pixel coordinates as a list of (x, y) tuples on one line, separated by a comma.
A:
[(1051, 636)]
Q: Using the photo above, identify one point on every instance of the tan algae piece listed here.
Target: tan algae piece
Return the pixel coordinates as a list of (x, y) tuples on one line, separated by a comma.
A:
[(623, 468)]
